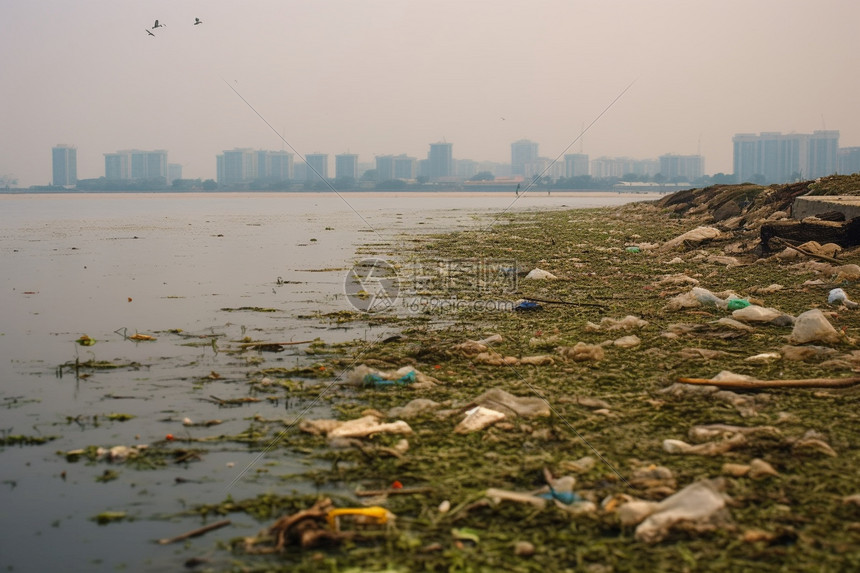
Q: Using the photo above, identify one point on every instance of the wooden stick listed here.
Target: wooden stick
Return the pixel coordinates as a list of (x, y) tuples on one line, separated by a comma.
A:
[(547, 301), (758, 384), (392, 491), (807, 253), (196, 532), (253, 344)]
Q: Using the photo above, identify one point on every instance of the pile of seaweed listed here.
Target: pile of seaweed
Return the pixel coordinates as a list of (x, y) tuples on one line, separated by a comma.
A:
[(591, 429)]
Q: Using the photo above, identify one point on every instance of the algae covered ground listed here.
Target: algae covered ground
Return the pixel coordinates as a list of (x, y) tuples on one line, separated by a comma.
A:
[(604, 384)]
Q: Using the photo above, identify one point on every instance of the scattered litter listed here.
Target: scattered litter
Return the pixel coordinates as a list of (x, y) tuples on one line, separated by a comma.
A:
[(500, 495), (706, 449), (737, 303), (813, 442), (478, 418), (677, 279), (770, 289), (628, 341), (813, 326), (582, 352), (700, 504), (798, 353), (580, 466), (85, 340), (140, 337), (755, 313), (701, 353), (473, 347), (540, 274), (760, 469), (527, 305), (737, 325), (735, 470), (692, 238), (306, 528), (364, 375), (836, 296), (501, 401), (763, 358), (374, 515), (413, 409), (607, 324), (847, 273), (357, 428), (539, 360)]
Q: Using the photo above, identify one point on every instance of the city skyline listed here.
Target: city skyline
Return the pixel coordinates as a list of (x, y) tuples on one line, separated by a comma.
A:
[(375, 77), (770, 157)]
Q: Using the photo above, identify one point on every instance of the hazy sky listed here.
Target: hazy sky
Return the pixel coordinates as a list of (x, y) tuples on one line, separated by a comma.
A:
[(379, 77)]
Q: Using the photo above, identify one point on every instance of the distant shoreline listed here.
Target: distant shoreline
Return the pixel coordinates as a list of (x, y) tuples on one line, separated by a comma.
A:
[(369, 193)]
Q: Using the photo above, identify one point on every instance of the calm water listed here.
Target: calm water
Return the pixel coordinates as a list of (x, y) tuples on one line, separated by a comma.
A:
[(104, 264)]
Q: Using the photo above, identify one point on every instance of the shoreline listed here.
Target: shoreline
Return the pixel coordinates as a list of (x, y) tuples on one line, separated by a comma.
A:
[(607, 403)]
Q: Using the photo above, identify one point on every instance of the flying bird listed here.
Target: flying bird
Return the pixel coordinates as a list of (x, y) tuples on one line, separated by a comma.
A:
[(150, 33), (157, 25), (197, 21)]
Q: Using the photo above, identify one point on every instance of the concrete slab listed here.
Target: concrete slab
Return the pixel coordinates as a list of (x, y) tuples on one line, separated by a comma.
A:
[(810, 205)]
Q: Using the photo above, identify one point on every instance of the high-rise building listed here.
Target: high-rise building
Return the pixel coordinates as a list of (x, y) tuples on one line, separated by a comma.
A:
[(682, 167), (575, 164), (239, 166), (116, 166), (64, 163), (405, 167), (523, 152), (317, 164), (603, 167), (280, 165), (849, 160), (773, 157), (346, 165), (134, 164), (174, 172), (384, 167), (441, 160), (465, 168)]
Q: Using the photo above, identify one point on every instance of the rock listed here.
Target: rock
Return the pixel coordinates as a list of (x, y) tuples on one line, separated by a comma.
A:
[(540, 274), (524, 549)]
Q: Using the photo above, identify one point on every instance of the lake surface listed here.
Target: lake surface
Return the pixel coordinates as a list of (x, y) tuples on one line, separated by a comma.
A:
[(111, 265)]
